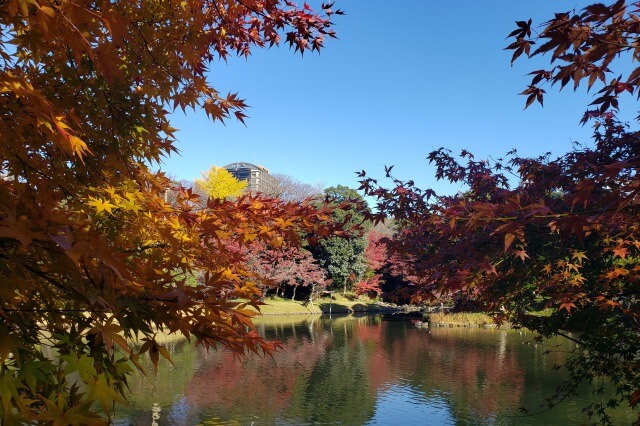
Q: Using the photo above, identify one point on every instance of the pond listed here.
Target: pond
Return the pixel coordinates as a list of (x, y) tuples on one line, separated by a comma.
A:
[(362, 371)]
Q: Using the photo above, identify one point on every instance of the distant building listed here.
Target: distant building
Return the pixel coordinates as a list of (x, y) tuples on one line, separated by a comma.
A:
[(257, 177)]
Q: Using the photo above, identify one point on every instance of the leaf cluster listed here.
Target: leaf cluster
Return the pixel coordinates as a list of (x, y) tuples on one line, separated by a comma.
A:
[(583, 46)]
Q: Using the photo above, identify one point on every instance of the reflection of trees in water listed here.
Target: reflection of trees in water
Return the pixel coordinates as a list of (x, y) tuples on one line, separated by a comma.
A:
[(478, 375), (285, 329), (155, 414), (258, 385), (318, 376), (483, 379), (338, 388), (333, 371)]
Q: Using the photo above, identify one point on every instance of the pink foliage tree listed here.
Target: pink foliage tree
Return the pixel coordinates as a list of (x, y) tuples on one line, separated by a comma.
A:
[(286, 266), (376, 256)]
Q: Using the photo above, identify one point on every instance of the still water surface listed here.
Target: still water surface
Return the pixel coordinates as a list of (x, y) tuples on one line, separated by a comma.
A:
[(362, 371)]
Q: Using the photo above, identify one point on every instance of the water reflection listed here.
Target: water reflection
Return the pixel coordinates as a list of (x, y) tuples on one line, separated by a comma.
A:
[(359, 371), (155, 414)]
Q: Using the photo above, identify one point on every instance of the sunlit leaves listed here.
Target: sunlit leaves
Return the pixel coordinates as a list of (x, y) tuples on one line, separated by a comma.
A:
[(101, 205), (219, 183), (102, 391), (83, 365), (583, 45), (93, 253)]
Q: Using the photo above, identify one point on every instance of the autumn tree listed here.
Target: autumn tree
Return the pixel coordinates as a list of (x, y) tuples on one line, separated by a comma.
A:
[(218, 182), (561, 233), (286, 267), (376, 256), (91, 254)]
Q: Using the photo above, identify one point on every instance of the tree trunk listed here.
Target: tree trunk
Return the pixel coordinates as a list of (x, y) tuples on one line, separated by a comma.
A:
[(294, 292)]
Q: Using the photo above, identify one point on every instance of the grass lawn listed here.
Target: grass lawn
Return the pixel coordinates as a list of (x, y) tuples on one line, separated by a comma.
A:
[(339, 304), (472, 319), (463, 319)]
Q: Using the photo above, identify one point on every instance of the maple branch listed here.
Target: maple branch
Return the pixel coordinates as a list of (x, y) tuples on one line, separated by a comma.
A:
[(149, 50), (552, 404), (219, 12), (549, 216), (258, 12), (41, 274), (612, 43), (571, 338), (26, 165)]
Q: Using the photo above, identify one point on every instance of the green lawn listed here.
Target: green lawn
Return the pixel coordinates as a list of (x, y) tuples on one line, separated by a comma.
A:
[(464, 319), (472, 319), (339, 304)]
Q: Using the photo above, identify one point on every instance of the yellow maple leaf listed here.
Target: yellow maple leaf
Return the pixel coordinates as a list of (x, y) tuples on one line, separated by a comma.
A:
[(131, 205), (100, 205), (78, 146), (579, 255), (103, 392)]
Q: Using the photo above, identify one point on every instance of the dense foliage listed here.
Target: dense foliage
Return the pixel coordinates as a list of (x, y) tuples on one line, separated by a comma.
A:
[(527, 233), (91, 252), (218, 182), (343, 255), (375, 255)]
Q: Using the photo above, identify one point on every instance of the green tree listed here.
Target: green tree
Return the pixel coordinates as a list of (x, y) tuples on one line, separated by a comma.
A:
[(219, 183), (343, 255)]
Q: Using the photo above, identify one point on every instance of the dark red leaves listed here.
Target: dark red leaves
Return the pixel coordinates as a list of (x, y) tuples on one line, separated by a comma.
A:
[(584, 44), (634, 398), (533, 93), (562, 216), (523, 30), (583, 192)]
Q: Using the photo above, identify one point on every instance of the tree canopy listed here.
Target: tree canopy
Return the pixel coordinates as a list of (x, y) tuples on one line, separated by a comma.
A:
[(218, 182), (343, 255), (90, 251), (529, 233), (286, 267)]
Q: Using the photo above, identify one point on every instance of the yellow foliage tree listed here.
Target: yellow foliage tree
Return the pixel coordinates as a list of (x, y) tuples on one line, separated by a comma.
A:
[(219, 183)]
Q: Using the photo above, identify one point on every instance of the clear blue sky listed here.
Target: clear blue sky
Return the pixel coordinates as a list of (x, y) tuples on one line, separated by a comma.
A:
[(403, 78)]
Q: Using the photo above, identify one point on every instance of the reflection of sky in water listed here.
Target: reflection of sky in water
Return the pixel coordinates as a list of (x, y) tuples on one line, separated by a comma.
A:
[(179, 411), (413, 407)]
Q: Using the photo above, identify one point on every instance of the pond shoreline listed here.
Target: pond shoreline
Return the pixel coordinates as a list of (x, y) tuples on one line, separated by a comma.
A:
[(395, 313), (455, 325), (335, 309)]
